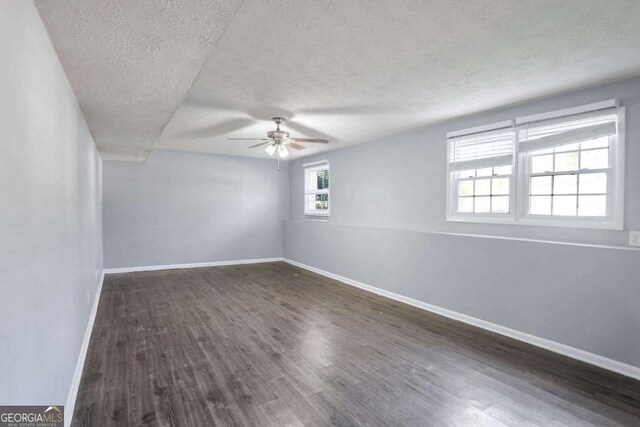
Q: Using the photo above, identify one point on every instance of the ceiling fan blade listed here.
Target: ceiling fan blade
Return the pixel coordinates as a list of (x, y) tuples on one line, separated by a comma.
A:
[(258, 145), (319, 141), (296, 146), (248, 139)]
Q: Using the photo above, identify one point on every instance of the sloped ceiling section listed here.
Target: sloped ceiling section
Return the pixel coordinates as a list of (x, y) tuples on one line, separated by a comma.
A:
[(349, 71), (132, 62)]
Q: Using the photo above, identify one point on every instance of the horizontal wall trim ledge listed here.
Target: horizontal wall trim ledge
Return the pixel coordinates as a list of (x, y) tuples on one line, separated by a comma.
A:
[(556, 347), (77, 375), (479, 236), (191, 265)]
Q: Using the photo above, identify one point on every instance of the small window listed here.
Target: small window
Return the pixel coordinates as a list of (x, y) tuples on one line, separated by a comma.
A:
[(316, 188), (481, 171)]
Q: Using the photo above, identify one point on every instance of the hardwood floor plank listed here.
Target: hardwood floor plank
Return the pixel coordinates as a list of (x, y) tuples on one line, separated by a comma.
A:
[(272, 344)]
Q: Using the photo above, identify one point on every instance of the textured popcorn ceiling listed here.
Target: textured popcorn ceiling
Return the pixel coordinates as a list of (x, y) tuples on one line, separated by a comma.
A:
[(132, 62), (349, 71)]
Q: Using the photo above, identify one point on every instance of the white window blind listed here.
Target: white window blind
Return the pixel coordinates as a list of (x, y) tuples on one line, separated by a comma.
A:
[(566, 130), (485, 149)]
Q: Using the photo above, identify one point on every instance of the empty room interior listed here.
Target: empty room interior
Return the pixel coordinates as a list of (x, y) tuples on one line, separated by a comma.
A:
[(310, 213)]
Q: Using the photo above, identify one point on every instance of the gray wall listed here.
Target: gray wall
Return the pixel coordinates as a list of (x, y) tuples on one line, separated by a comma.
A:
[(188, 208), (400, 182), (387, 229), (51, 216)]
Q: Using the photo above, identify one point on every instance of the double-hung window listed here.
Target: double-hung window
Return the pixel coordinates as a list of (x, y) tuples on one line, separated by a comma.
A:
[(481, 171), (316, 188), (567, 171), (570, 167)]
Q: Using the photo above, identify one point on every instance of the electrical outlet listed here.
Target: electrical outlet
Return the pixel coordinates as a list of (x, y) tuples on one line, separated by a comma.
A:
[(634, 238)]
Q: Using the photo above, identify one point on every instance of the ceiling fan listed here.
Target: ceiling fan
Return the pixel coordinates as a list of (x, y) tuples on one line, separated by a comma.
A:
[(278, 140)]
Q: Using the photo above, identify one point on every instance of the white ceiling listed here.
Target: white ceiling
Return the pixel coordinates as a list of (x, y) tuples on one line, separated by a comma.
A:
[(186, 76)]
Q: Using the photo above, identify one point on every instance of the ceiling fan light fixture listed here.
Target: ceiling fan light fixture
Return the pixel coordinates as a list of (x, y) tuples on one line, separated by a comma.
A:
[(270, 149), (282, 151)]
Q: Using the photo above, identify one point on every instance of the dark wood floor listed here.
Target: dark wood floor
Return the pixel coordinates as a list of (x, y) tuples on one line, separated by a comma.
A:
[(271, 344)]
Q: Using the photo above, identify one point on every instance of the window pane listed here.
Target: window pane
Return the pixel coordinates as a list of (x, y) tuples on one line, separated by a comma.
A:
[(483, 205), (564, 205), (500, 204), (541, 185), (540, 205), (541, 164), (592, 206), (594, 159), (465, 188), (311, 202), (568, 147), (467, 173), (323, 179), (593, 183), (483, 187), (317, 202), (465, 204), (322, 202), (565, 184), (545, 151), (566, 162), (595, 143), (502, 170), (485, 172), (500, 186)]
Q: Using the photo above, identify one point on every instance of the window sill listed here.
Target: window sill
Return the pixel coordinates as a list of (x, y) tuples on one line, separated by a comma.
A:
[(318, 214), (314, 218), (483, 220), (541, 222)]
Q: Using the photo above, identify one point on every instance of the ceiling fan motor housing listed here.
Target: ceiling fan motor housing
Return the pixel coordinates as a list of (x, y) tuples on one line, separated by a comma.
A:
[(278, 134)]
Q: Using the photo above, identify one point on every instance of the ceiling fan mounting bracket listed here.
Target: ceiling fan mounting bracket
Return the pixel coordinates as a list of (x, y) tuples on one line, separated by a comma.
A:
[(278, 120)]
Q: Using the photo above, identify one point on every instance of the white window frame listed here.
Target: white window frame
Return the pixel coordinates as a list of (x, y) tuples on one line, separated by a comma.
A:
[(519, 188), (452, 190), (310, 167)]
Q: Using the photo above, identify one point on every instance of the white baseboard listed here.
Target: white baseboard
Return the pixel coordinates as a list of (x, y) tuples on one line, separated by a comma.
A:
[(192, 265), (556, 347), (77, 375)]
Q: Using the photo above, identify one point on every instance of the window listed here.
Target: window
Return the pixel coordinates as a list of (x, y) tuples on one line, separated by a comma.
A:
[(481, 170), (316, 188), (567, 167), (569, 170)]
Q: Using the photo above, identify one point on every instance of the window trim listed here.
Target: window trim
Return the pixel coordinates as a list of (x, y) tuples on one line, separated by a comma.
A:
[(518, 190), (310, 167)]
